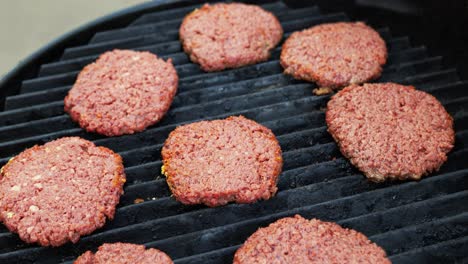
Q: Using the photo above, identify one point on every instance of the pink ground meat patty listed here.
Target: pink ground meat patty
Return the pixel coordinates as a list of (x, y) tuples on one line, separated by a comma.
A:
[(230, 35), (123, 92), (298, 240), (219, 161), (335, 55), (60, 191), (390, 131), (124, 253)]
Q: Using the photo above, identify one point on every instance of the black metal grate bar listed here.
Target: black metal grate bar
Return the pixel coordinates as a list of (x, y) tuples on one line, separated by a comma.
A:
[(179, 13), (413, 221), (170, 37)]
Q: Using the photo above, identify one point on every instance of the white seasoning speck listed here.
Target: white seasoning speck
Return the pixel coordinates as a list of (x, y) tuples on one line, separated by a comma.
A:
[(16, 188), (33, 208), (10, 215)]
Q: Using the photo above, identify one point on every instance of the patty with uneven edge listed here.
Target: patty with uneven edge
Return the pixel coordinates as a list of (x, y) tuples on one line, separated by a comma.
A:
[(123, 92), (233, 35), (60, 191), (124, 253), (390, 131), (298, 240), (335, 54), (221, 161)]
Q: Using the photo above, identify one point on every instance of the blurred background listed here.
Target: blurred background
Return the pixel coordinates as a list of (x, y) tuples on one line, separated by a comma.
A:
[(27, 25)]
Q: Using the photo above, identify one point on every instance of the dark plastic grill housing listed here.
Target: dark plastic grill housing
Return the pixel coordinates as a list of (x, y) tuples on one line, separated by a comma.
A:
[(415, 222)]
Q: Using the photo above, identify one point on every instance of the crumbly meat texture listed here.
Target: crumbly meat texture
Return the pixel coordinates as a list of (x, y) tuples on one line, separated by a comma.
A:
[(335, 55), (60, 191), (390, 131), (298, 240), (123, 92), (230, 35), (124, 253), (219, 161)]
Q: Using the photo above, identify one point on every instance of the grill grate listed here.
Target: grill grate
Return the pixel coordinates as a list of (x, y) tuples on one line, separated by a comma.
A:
[(413, 221)]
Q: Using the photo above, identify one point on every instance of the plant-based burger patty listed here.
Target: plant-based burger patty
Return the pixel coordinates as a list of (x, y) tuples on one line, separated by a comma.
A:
[(232, 35), (219, 161), (123, 92), (390, 131), (124, 253), (335, 54), (298, 240), (60, 191)]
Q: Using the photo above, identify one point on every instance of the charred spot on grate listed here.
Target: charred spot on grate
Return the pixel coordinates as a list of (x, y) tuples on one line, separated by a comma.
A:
[(410, 220)]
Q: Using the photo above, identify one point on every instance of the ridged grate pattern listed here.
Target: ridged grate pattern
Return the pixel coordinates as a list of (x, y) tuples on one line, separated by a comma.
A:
[(415, 222)]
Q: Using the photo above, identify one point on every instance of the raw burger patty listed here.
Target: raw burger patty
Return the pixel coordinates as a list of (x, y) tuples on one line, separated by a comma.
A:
[(123, 92), (298, 240), (335, 55), (390, 131), (57, 192), (231, 35), (219, 161), (124, 253)]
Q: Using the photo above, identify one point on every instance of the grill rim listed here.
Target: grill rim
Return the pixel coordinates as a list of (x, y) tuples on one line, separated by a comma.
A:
[(29, 67), (444, 68)]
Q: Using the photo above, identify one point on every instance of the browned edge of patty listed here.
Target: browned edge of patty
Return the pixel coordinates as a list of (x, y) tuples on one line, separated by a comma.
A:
[(372, 176), (180, 195), (120, 176)]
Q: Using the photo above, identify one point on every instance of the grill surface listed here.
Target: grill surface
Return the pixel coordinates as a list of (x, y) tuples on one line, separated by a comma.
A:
[(413, 221)]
